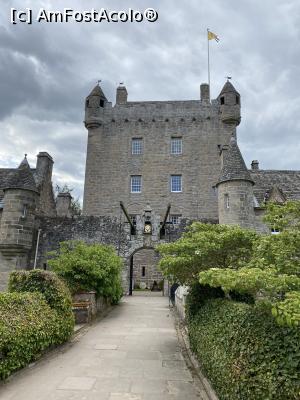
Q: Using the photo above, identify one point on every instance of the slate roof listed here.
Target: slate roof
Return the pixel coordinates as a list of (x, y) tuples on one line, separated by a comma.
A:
[(228, 88), (97, 91), (234, 167), (18, 178), (288, 182)]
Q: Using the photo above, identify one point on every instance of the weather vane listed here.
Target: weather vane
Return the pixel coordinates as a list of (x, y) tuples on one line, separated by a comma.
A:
[(99, 81)]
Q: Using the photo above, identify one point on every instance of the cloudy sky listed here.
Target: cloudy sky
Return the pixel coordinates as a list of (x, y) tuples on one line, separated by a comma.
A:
[(46, 71)]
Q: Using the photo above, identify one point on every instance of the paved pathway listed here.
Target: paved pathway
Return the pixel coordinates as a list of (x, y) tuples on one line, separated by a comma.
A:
[(132, 354)]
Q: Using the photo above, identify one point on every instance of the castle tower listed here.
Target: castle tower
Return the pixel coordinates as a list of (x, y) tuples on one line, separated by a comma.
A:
[(230, 106), (95, 106), (235, 189), (18, 216)]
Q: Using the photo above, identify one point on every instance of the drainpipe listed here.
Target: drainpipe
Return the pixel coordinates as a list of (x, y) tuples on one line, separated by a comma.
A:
[(37, 248)]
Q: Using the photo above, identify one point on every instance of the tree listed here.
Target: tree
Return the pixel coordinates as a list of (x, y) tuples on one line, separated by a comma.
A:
[(283, 217), (206, 246), (86, 267), (272, 276)]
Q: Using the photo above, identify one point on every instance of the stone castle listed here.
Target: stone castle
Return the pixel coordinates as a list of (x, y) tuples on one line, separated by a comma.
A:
[(151, 168)]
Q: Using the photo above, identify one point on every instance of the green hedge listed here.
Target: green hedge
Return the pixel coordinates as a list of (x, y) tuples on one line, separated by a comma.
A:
[(35, 314), (244, 353), (55, 293), (27, 327)]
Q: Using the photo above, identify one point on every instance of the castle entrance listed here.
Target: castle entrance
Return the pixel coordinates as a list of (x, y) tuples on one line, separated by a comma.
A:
[(144, 276)]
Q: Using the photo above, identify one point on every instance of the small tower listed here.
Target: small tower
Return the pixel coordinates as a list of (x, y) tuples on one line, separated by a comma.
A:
[(94, 108), (235, 189), (230, 105), (18, 217)]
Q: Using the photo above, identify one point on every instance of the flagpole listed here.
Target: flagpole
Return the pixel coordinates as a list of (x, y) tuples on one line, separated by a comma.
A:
[(208, 65)]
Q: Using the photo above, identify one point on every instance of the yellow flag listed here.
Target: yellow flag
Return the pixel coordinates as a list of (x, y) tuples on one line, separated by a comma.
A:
[(211, 36)]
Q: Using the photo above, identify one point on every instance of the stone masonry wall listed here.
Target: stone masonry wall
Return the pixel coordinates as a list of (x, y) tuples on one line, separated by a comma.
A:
[(110, 163), (146, 259)]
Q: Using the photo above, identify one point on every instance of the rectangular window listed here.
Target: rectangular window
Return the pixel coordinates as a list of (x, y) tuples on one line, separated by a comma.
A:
[(176, 184), (136, 184), (226, 201), (175, 219), (176, 145), (137, 146), (143, 271)]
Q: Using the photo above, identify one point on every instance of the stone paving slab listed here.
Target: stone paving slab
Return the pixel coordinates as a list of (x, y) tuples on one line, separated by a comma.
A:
[(132, 354)]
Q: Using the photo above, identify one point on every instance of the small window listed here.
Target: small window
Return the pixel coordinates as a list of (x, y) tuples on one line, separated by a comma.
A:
[(176, 145), (87, 103), (143, 271), (175, 219), (237, 99), (176, 183), (226, 201), (136, 184), (101, 103), (24, 211), (137, 146), (222, 100)]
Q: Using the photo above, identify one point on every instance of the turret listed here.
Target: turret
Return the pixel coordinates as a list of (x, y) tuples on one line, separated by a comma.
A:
[(230, 105), (18, 217), (235, 189), (94, 108)]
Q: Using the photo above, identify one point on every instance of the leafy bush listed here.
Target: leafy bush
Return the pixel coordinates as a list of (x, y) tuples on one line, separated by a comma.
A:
[(197, 296), (206, 246), (27, 327), (54, 292), (86, 267), (244, 353)]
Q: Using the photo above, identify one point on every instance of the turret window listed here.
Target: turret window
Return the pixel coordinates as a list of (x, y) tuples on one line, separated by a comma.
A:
[(226, 201), (222, 100), (24, 211), (237, 99), (87, 103), (101, 103)]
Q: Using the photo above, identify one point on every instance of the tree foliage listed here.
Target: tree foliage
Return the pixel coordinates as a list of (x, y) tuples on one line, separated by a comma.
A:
[(283, 217), (206, 246), (86, 267), (273, 273)]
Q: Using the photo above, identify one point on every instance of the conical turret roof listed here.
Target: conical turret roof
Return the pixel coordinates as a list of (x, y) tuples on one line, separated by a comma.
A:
[(97, 91), (228, 88), (22, 178), (234, 167)]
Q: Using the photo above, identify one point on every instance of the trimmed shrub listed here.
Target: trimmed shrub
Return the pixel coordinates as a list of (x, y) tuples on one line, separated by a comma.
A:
[(197, 296), (86, 267), (54, 292), (27, 327), (244, 353)]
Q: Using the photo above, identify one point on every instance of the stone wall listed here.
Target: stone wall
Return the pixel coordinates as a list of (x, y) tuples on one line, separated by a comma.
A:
[(145, 268), (110, 163)]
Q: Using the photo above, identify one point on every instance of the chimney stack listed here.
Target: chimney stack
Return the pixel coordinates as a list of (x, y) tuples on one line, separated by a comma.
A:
[(121, 95), (255, 165), (204, 93)]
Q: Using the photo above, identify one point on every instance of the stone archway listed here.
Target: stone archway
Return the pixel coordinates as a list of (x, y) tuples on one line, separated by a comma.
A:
[(143, 272)]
